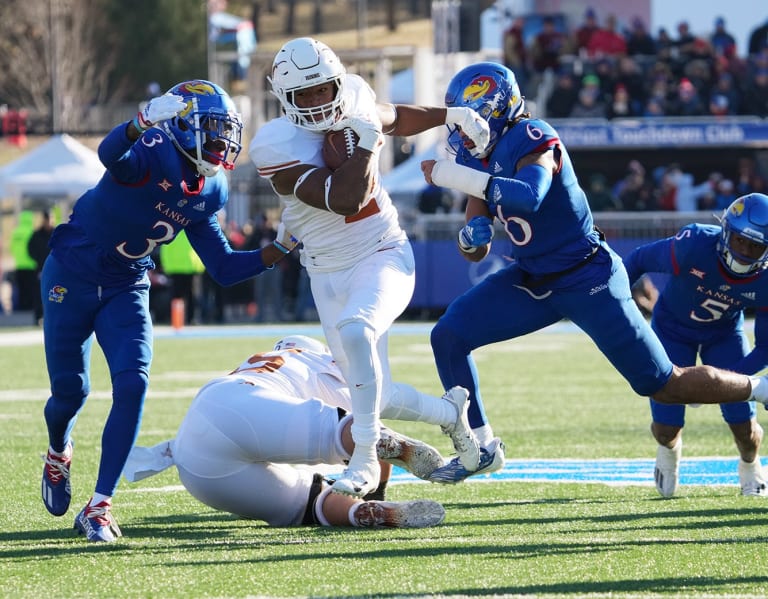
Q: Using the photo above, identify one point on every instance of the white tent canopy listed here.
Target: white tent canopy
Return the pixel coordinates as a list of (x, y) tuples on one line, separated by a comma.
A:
[(62, 166)]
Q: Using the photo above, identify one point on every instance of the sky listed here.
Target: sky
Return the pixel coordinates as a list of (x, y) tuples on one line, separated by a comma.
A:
[(741, 17)]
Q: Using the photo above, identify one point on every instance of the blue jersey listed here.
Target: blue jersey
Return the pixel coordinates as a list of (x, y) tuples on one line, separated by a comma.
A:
[(559, 232), (148, 194), (702, 302)]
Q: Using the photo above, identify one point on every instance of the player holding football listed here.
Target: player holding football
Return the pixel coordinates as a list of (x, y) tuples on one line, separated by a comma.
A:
[(245, 434), (164, 174), (716, 273), (562, 267), (358, 258)]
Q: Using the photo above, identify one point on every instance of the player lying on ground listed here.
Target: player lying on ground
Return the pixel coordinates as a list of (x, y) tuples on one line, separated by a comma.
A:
[(247, 437)]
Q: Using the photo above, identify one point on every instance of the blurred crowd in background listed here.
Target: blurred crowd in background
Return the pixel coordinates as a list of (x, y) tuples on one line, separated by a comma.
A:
[(599, 71)]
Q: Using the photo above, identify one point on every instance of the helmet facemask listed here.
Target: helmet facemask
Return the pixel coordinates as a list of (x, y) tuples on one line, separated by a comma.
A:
[(208, 132), (746, 217), (302, 64), (491, 90)]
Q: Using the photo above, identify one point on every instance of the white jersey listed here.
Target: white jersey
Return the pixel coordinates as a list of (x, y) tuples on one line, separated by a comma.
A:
[(293, 372), (331, 241)]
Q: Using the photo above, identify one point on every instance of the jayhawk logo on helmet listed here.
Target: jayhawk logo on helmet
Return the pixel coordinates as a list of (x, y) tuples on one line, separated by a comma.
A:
[(197, 87), (479, 87), (737, 207)]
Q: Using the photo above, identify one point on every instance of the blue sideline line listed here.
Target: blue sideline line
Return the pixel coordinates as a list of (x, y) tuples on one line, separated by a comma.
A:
[(693, 471)]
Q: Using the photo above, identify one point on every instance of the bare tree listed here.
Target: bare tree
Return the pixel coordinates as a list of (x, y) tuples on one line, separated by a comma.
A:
[(55, 58)]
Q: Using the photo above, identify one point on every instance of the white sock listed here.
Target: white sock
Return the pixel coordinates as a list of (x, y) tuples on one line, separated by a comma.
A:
[(407, 403), (484, 435), (98, 498), (67, 453)]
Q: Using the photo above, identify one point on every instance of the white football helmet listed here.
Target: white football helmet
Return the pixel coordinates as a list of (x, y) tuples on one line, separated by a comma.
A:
[(301, 342), (302, 63)]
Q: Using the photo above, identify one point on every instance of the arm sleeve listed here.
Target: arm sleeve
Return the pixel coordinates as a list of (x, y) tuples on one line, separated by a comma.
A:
[(114, 153), (658, 256), (225, 265), (523, 193)]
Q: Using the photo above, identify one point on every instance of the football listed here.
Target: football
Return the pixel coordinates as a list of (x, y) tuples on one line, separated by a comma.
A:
[(338, 147)]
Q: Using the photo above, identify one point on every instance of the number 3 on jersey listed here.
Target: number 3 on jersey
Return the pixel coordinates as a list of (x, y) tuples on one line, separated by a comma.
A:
[(152, 242)]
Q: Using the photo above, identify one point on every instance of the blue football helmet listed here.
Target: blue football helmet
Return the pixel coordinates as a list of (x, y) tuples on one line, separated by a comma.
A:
[(209, 129), (746, 216), (491, 90)]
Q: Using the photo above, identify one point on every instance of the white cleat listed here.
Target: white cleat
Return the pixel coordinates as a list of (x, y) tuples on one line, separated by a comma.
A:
[(667, 470), (419, 513), (464, 440), (751, 479), (416, 457), (360, 477)]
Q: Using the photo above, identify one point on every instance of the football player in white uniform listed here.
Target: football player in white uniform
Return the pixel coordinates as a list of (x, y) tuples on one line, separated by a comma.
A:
[(359, 260), (247, 438)]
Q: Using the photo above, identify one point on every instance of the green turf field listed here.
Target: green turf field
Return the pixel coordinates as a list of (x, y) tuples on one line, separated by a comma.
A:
[(551, 395)]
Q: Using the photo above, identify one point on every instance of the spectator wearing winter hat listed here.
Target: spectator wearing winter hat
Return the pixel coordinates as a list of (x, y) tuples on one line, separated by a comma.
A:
[(687, 102), (620, 105), (723, 43), (589, 103)]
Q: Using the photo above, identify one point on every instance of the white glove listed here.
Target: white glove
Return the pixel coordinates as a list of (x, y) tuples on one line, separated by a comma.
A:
[(159, 109), (369, 132), (284, 241), (472, 125)]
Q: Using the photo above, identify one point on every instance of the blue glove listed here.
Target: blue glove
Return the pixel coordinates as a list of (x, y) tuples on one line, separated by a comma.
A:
[(476, 233)]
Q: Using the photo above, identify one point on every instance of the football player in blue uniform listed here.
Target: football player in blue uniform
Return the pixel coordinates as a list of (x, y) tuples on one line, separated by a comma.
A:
[(715, 274), (561, 267), (164, 174)]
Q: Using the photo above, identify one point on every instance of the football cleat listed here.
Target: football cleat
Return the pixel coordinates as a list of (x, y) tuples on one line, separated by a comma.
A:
[(751, 479), (56, 488), (97, 523), (464, 440), (414, 456), (360, 477), (491, 460), (667, 470), (419, 513)]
